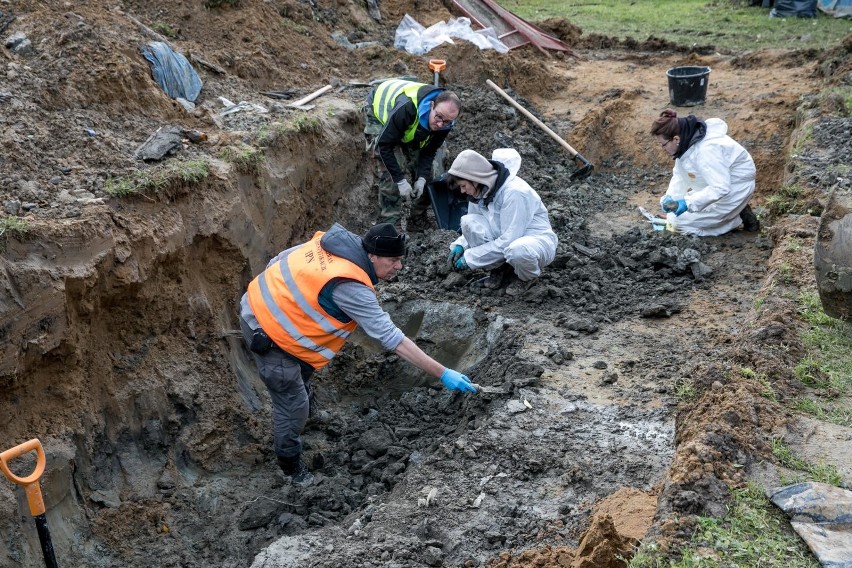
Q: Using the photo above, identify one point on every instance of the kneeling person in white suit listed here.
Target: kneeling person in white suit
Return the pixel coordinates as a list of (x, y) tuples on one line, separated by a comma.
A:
[(506, 229)]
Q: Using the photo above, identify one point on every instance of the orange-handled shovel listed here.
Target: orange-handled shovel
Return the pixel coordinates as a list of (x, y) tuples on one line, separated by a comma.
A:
[(33, 491), (437, 65)]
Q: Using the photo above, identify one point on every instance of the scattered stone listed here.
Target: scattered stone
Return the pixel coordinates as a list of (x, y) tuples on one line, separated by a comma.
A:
[(375, 441), (609, 379), (166, 140), (19, 43), (108, 498)]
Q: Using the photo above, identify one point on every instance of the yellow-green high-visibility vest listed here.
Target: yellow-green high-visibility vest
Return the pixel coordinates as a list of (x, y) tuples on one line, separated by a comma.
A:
[(384, 101)]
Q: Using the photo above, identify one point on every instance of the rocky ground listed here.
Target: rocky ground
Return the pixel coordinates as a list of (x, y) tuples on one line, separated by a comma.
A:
[(119, 351)]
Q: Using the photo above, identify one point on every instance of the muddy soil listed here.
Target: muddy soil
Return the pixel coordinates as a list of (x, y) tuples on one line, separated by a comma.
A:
[(118, 313)]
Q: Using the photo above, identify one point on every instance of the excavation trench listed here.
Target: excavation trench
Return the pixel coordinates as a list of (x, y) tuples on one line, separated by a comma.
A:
[(157, 427)]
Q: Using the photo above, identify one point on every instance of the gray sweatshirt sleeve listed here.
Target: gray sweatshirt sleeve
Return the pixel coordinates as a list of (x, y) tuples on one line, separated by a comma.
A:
[(359, 302), (281, 255)]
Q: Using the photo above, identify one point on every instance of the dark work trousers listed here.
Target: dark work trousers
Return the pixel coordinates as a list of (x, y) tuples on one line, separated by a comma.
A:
[(288, 383)]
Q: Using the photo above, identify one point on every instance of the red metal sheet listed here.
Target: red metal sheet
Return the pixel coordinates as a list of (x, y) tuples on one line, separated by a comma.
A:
[(511, 29)]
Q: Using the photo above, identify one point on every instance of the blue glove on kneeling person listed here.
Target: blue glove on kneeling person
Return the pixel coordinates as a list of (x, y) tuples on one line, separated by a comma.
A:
[(676, 206), (455, 381), (455, 253)]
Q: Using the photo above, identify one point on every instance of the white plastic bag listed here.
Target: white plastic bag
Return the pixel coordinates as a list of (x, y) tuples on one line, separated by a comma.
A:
[(418, 40)]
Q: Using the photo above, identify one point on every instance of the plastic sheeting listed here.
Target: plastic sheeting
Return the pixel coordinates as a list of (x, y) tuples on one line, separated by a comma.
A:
[(822, 515), (172, 71), (414, 38), (794, 8), (836, 8)]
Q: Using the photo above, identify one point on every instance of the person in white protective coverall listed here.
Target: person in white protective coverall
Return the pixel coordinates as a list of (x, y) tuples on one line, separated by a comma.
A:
[(506, 229), (712, 179)]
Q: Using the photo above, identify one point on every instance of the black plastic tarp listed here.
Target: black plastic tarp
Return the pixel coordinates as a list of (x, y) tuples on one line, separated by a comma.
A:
[(794, 8)]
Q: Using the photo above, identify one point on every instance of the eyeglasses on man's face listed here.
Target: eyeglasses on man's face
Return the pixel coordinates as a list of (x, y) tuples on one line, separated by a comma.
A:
[(442, 120)]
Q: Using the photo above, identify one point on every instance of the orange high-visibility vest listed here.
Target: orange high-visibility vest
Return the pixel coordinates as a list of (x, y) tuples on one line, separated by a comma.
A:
[(285, 301)]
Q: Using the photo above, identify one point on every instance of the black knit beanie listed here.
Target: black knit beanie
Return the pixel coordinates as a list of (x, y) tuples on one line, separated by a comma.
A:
[(384, 240)]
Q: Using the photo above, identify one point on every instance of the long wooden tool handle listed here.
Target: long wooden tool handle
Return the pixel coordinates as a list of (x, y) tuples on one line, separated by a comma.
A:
[(530, 116), (310, 97)]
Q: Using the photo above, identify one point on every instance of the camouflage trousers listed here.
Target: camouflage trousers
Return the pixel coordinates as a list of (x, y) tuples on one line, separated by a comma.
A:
[(390, 202)]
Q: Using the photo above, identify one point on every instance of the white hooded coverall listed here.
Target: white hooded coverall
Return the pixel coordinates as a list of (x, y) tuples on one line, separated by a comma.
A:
[(514, 228), (716, 177)]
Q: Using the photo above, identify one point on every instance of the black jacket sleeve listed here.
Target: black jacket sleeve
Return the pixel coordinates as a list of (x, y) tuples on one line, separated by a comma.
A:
[(400, 120), (427, 154)]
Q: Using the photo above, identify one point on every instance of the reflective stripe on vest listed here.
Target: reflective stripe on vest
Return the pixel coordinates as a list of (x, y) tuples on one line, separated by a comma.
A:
[(285, 301), (384, 101)]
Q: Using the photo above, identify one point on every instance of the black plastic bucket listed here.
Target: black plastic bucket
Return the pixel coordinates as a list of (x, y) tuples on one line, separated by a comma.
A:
[(688, 85)]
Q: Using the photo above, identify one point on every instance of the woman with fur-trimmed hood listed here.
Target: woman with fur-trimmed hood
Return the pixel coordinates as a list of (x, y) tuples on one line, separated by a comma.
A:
[(506, 229)]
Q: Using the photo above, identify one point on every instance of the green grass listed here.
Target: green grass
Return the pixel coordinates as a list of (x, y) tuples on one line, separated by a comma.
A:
[(829, 344), (788, 199), (726, 24), (836, 414), (246, 158), (821, 472), (165, 29), (827, 366), (685, 389), (173, 174), (753, 533), (11, 225)]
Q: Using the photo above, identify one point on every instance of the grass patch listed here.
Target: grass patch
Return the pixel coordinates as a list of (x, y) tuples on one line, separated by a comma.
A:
[(829, 344), (794, 245), (752, 533), (837, 100), (788, 199), (11, 225), (766, 390), (272, 134), (785, 271), (821, 472), (827, 366), (307, 125), (246, 158), (840, 415), (725, 24), (685, 389), (164, 29), (173, 174)]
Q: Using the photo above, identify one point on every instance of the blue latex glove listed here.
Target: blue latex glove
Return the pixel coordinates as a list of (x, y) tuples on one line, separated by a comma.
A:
[(455, 253), (455, 381), (676, 206), (461, 264)]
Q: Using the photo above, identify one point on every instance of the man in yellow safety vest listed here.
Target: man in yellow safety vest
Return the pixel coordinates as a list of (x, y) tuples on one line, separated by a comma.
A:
[(406, 125)]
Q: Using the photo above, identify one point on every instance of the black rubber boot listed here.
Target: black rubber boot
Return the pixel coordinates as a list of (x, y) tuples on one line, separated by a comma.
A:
[(295, 467), (750, 222), (496, 277)]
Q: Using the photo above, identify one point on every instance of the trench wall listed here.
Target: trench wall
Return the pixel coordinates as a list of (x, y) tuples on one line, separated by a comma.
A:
[(116, 341)]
